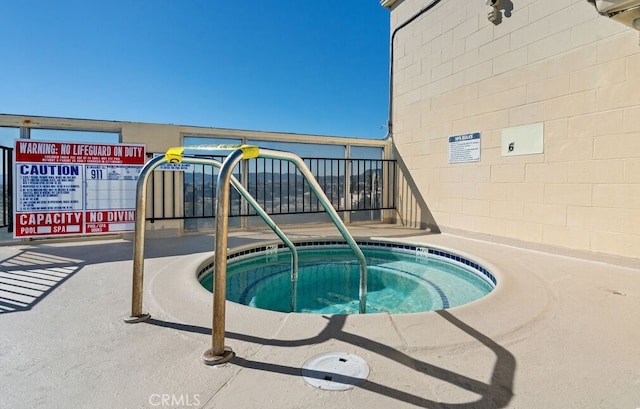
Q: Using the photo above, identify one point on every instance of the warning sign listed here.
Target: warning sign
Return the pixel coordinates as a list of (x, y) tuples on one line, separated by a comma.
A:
[(110, 221), (75, 188)]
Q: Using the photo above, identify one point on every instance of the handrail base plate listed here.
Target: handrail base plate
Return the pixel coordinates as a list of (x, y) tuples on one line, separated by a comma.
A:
[(209, 359), (134, 319)]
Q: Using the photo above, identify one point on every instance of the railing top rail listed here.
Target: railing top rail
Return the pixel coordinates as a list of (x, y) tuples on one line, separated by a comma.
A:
[(249, 152)]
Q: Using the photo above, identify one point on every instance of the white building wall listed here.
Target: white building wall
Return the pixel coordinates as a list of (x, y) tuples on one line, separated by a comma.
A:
[(555, 62)]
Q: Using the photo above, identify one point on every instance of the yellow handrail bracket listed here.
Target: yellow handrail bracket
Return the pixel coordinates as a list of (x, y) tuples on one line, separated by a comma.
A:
[(176, 154)]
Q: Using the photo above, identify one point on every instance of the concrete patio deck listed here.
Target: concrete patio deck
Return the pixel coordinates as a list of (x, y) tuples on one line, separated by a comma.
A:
[(557, 332)]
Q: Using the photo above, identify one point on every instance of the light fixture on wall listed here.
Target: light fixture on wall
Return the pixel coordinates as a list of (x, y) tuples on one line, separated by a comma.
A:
[(494, 13), (626, 12)]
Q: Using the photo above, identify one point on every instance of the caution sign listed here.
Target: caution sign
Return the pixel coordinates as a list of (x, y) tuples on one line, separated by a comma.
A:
[(75, 188)]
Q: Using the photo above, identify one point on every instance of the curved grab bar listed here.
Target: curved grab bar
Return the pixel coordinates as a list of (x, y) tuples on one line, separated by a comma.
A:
[(324, 200), (138, 249), (219, 353), (138, 240)]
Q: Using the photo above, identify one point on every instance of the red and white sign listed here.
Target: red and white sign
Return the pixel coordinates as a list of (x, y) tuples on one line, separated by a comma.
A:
[(54, 223), (110, 221), (75, 188), (62, 152)]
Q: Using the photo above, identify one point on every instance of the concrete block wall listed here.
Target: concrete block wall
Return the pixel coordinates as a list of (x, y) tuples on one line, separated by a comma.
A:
[(555, 62)]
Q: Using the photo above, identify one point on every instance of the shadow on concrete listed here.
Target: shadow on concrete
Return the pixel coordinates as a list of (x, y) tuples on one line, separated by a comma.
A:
[(411, 207), (94, 251), (495, 394), (29, 276)]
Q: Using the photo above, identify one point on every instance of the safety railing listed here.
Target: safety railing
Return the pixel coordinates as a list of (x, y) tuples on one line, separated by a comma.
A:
[(219, 353), (138, 254), (6, 187), (363, 187)]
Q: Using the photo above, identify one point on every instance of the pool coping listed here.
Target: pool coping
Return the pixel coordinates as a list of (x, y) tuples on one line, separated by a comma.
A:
[(180, 296)]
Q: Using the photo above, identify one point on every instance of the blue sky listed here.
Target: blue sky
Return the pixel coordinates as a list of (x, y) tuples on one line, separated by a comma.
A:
[(318, 67)]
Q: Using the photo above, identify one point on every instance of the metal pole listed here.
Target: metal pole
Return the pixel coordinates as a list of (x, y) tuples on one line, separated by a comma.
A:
[(138, 242), (219, 353), (10, 195), (347, 185), (244, 177)]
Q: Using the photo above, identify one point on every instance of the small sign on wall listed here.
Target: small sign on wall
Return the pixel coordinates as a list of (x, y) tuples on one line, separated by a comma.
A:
[(464, 148), (523, 140)]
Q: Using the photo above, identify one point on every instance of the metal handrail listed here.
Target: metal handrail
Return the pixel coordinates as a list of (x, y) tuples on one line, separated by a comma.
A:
[(219, 353), (324, 200), (138, 255), (138, 241), (250, 152)]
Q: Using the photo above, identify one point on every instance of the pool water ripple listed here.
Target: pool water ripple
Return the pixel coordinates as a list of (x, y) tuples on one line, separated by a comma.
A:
[(400, 280)]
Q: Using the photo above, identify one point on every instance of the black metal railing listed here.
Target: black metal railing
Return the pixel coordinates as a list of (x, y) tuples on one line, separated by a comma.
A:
[(351, 185), (6, 180)]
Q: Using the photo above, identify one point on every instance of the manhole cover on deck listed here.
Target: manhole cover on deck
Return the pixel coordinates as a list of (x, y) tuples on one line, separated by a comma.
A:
[(335, 371)]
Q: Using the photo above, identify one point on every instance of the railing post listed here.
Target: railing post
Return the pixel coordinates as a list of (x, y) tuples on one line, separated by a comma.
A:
[(347, 186), (244, 179), (10, 195), (219, 353), (138, 242)]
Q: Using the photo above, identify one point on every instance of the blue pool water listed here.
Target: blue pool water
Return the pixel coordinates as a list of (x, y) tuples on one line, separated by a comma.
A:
[(399, 281)]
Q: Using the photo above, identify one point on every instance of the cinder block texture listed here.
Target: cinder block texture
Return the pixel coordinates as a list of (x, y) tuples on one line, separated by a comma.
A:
[(554, 62)]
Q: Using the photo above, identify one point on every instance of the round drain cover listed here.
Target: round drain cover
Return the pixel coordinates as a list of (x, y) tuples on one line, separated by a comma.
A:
[(335, 371)]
